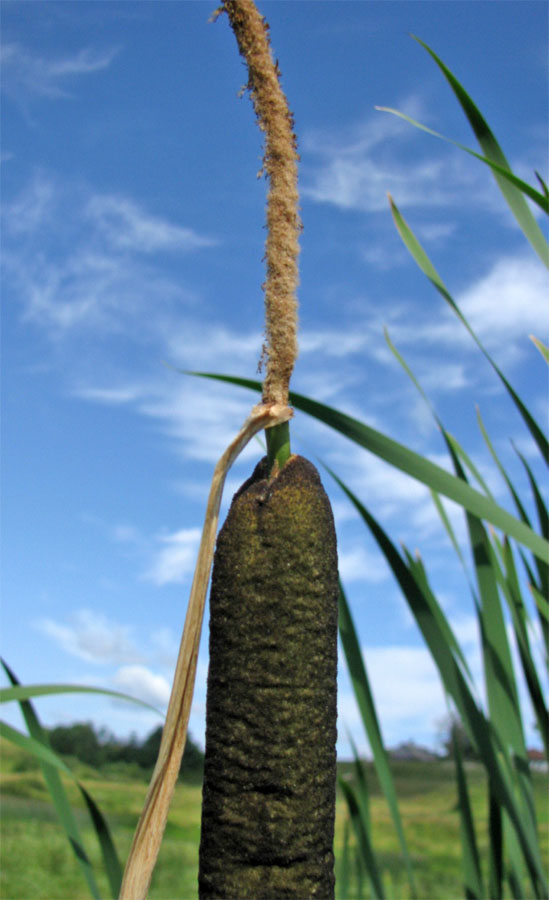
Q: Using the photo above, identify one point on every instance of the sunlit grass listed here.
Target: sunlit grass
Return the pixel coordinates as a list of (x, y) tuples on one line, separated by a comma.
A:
[(427, 799)]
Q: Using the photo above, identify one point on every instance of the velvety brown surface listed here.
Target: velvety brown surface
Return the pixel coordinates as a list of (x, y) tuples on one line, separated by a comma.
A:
[(269, 789)]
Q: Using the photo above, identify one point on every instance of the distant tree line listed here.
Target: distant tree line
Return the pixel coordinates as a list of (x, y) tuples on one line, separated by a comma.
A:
[(99, 747)]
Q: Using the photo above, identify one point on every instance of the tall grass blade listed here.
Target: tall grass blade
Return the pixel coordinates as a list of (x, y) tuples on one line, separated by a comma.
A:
[(542, 605), (543, 515), (493, 151), (362, 786), (422, 260), (43, 752), (504, 708), (453, 539), (363, 802), (502, 693), (501, 689), (417, 570), (499, 674), (515, 868), (46, 755), (343, 865), (363, 838), (540, 199), (495, 852), (542, 183), (56, 789), (451, 442), (366, 706), (541, 347), (512, 490), (542, 565), (483, 735), (519, 615), (413, 464), (111, 861), (472, 873), (25, 691)]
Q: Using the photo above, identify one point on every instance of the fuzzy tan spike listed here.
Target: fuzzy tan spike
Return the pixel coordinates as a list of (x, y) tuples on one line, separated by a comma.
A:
[(283, 222)]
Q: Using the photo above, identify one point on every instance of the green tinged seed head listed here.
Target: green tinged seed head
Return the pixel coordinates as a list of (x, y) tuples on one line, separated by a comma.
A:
[(269, 790)]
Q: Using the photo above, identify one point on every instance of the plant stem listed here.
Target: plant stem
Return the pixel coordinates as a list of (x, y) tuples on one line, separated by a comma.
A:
[(278, 445)]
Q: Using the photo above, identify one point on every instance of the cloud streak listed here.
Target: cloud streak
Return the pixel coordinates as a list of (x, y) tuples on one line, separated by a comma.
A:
[(175, 560), (139, 681), (81, 260), (92, 637), (125, 226), (354, 171), (25, 73)]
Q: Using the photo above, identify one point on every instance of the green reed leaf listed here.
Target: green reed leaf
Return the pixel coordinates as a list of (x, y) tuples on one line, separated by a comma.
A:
[(422, 260), (514, 493), (111, 861), (472, 873), (415, 465), (483, 735), (519, 616), (366, 706), (541, 347), (42, 751), (495, 847), (539, 198), (24, 691), (492, 151), (56, 789), (343, 865), (363, 838)]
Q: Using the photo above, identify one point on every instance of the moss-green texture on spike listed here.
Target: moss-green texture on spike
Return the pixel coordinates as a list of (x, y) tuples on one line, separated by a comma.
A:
[(269, 781)]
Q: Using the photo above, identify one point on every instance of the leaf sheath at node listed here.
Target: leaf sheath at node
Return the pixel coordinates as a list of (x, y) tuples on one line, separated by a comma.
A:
[(270, 769)]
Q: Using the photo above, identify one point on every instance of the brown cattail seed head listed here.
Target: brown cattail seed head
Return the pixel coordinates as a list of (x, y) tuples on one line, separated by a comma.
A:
[(270, 768)]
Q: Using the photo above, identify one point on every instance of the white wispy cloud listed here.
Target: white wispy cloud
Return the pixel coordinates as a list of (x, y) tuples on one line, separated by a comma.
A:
[(503, 304), (407, 693), (111, 396), (356, 563), (126, 226), (81, 260), (406, 688), (355, 169), (103, 282), (175, 560), (165, 647), (508, 301), (26, 73), (139, 681), (91, 636), (388, 489)]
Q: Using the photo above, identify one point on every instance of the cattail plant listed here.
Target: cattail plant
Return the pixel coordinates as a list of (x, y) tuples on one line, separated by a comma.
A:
[(270, 765), (269, 778)]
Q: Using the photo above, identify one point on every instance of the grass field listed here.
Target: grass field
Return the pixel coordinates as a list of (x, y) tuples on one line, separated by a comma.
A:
[(36, 861)]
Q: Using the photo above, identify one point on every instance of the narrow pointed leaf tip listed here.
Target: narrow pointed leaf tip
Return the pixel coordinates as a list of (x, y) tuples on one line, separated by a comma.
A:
[(494, 156)]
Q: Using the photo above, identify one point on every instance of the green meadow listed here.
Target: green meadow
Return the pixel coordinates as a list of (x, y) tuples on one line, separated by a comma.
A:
[(37, 861)]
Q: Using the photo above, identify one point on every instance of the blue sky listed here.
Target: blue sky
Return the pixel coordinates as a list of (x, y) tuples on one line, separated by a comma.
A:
[(133, 237)]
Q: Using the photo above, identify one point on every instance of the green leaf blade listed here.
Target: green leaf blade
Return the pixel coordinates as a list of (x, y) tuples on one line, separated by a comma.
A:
[(422, 260), (408, 461), (25, 691), (366, 705), (55, 788), (492, 150)]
